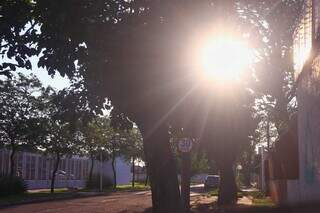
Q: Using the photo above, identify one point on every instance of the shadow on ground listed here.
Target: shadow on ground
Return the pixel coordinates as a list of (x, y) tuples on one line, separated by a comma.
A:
[(213, 208)]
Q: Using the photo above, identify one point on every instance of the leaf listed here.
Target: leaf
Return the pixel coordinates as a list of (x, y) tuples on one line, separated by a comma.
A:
[(28, 64), (12, 67), (20, 61)]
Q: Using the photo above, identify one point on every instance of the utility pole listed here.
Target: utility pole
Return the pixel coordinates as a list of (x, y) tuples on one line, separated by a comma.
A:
[(185, 146), (101, 171)]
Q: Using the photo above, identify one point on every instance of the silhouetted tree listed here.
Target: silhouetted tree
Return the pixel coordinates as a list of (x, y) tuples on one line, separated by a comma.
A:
[(19, 111)]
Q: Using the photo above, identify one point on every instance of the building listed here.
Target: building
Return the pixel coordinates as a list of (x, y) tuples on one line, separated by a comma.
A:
[(73, 171), (294, 165)]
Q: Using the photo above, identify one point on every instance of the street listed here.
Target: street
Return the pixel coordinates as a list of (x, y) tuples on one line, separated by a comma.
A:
[(114, 203)]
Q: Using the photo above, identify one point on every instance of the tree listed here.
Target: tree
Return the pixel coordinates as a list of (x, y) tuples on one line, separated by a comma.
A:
[(133, 149), (19, 110), (92, 142), (125, 51), (276, 86), (111, 142), (223, 121), (56, 135)]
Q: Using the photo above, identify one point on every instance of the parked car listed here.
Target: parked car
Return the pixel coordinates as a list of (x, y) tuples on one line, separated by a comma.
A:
[(211, 181)]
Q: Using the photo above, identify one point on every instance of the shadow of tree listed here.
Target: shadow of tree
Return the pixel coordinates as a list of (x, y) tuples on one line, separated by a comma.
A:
[(148, 210)]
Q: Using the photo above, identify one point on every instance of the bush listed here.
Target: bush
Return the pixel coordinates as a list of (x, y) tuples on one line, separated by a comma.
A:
[(95, 182), (12, 185)]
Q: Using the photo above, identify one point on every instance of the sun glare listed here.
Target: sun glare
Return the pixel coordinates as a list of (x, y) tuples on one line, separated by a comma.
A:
[(223, 58)]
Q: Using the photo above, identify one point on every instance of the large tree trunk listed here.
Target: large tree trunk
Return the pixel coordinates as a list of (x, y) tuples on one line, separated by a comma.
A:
[(114, 171), (91, 168), (12, 163), (162, 170), (228, 187), (147, 179), (133, 172), (54, 172), (247, 168), (247, 176)]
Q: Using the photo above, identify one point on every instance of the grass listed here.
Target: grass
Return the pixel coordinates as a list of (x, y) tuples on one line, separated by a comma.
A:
[(63, 193), (265, 202), (215, 192), (34, 196), (137, 186), (259, 199)]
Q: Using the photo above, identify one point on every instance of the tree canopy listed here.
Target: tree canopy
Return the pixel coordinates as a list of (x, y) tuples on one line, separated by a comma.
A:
[(136, 54)]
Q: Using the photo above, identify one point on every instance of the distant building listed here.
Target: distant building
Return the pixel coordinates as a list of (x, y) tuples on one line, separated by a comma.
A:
[(73, 171)]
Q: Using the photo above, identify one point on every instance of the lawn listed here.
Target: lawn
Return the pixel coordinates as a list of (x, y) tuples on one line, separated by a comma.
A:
[(31, 196), (137, 187), (258, 198), (45, 195)]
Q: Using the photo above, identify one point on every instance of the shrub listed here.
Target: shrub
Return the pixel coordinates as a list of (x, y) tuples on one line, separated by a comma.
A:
[(95, 182), (12, 185)]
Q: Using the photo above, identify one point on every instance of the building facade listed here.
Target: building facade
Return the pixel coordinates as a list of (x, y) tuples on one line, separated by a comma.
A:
[(286, 185), (73, 171)]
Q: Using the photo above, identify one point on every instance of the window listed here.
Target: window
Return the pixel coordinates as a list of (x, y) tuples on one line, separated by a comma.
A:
[(33, 168), (1, 156), (42, 168), (28, 167), (39, 168), (50, 168), (303, 37), (72, 168), (316, 17), (19, 164), (5, 161)]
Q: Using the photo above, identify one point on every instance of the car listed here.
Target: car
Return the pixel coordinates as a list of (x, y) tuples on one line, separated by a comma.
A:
[(211, 181)]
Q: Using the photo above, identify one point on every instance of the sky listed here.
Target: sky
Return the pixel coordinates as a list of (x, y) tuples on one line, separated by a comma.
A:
[(57, 81)]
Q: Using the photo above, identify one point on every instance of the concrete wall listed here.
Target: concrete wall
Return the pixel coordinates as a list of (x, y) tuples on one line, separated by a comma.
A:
[(123, 168), (308, 186), (41, 168)]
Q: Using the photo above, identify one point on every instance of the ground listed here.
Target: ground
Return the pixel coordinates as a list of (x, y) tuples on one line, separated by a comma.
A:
[(131, 202), (113, 203)]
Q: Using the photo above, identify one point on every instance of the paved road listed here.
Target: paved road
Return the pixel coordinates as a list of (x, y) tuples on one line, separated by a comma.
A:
[(114, 203), (119, 202)]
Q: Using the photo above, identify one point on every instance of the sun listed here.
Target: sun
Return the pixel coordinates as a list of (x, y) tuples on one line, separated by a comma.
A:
[(223, 58)]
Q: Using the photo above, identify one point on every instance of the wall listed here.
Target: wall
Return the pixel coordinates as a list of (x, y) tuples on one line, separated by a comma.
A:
[(309, 134), (123, 168), (36, 169)]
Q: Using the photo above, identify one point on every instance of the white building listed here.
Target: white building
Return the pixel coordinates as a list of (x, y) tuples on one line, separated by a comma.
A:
[(73, 171)]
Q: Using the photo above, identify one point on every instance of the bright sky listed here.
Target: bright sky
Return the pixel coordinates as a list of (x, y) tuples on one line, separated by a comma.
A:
[(57, 82)]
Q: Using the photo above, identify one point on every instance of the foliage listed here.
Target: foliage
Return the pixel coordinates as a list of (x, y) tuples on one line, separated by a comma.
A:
[(137, 186), (275, 87), (57, 135), (133, 148), (19, 112), (94, 182), (127, 51), (19, 106), (11, 185)]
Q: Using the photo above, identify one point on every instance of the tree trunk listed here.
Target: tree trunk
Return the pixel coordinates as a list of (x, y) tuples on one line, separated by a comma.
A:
[(247, 168), (133, 172), (185, 181), (55, 169), (162, 169), (12, 163), (91, 168), (147, 179), (147, 174), (228, 187), (247, 176), (114, 171)]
